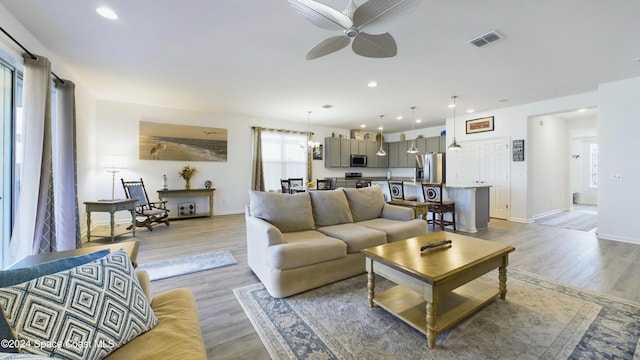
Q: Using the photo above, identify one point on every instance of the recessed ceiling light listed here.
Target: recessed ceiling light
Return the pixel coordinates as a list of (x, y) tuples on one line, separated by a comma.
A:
[(451, 106), (105, 12), (363, 126), (418, 121), (582, 110), (399, 117), (328, 106), (372, 84), (471, 111), (380, 128)]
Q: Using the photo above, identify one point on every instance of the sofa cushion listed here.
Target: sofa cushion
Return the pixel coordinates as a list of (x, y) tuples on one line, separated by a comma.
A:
[(365, 203), (304, 248), (397, 230), (84, 313), (287, 212), (16, 276), (356, 237), (330, 207), (177, 335)]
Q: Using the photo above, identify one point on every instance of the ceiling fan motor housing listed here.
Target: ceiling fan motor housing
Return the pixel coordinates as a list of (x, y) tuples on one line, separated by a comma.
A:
[(353, 32)]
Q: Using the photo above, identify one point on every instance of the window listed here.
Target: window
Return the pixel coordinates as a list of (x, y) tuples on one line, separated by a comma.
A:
[(593, 165), (11, 138), (283, 157)]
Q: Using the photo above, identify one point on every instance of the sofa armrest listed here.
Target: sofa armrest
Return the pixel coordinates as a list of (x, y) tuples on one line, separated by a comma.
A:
[(145, 283), (395, 212), (261, 233)]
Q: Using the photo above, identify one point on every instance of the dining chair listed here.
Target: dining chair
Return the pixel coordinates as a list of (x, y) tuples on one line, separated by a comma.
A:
[(433, 196)]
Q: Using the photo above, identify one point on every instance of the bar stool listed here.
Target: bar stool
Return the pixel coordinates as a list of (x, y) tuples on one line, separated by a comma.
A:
[(396, 191), (437, 205)]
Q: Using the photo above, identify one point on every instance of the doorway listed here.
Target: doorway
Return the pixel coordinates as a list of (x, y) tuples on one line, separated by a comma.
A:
[(564, 148)]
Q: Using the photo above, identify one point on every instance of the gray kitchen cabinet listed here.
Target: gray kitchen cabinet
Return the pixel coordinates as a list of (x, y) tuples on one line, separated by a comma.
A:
[(392, 154), (403, 157), (332, 152), (433, 144), (443, 144), (358, 147), (345, 152)]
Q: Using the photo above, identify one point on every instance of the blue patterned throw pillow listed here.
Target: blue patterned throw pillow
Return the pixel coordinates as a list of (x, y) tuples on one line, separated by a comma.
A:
[(83, 313), (12, 277)]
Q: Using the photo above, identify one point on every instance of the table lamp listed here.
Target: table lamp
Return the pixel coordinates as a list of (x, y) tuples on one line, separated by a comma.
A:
[(113, 164)]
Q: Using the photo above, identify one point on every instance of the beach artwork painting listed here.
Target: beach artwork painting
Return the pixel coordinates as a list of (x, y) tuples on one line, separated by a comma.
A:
[(160, 141)]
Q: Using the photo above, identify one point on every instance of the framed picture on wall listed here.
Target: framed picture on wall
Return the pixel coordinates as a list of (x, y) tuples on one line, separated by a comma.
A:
[(518, 150), (160, 141), (480, 125)]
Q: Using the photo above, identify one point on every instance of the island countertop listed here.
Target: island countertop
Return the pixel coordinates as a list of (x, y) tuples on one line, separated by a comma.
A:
[(471, 202)]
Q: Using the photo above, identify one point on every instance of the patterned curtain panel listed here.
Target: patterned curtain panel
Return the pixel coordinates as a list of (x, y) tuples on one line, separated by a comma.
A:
[(33, 218), (65, 172), (257, 171)]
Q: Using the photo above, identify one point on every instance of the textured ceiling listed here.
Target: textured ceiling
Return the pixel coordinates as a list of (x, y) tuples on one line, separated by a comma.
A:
[(247, 56)]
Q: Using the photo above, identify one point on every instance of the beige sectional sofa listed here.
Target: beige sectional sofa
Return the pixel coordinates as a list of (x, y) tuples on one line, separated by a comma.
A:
[(296, 242)]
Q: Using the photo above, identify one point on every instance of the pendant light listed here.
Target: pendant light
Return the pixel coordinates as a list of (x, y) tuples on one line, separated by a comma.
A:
[(381, 151), (311, 145), (454, 145), (413, 149)]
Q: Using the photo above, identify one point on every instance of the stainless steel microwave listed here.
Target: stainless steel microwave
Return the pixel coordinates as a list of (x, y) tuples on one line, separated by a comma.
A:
[(358, 160)]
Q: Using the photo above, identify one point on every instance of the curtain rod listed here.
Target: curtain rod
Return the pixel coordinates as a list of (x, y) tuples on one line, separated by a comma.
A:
[(33, 57), (291, 131)]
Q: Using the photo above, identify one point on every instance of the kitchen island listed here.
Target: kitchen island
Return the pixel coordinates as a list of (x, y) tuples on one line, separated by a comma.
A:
[(472, 202)]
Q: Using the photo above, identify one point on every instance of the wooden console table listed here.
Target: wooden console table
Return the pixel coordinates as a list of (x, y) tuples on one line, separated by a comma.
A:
[(164, 194), (111, 206)]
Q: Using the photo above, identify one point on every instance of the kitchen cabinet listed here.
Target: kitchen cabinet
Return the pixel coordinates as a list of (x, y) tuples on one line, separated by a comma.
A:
[(332, 152), (374, 160), (338, 151)]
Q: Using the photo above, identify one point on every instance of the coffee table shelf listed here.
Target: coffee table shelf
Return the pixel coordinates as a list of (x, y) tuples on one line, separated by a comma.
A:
[(410, 306)]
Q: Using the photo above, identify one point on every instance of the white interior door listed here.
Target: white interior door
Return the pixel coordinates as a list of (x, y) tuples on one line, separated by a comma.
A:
[(486, 162), (494, 171)]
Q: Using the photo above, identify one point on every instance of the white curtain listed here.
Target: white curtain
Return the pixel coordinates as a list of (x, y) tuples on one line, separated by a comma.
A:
[(65, 165), (47, 215), (35, 178)]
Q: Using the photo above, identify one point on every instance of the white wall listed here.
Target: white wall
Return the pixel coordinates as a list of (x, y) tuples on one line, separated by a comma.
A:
[(619, 149), (512, 123), (548, 163), (117, 131)]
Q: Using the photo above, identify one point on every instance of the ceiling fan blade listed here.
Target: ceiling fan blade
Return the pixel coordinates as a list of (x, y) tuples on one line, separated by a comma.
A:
[(375, 46), (378, 15), (321, 15), (328, 46)]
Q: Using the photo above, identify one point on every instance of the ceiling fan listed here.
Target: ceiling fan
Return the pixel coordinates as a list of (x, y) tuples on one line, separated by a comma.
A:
[(374, 15)]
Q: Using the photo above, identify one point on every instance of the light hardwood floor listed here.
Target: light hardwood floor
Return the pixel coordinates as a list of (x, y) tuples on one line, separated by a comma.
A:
[(570, 256)]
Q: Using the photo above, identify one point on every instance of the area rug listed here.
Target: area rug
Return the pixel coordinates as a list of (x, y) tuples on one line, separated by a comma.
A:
[(540, 319), (571, 220), (189, 264)]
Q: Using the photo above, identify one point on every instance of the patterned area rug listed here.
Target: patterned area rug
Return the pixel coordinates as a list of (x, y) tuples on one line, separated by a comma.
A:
[(540, 319), (571, 220), (188, 264)]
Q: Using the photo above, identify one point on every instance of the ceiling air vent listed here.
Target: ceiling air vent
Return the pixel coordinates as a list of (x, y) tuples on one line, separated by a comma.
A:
[(486, 39)]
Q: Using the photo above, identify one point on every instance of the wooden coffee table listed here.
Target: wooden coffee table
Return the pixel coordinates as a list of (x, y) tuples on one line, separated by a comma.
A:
[(436, 290)]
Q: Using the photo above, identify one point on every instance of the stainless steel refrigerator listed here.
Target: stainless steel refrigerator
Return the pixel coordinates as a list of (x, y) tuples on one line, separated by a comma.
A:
[(435, 168)]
